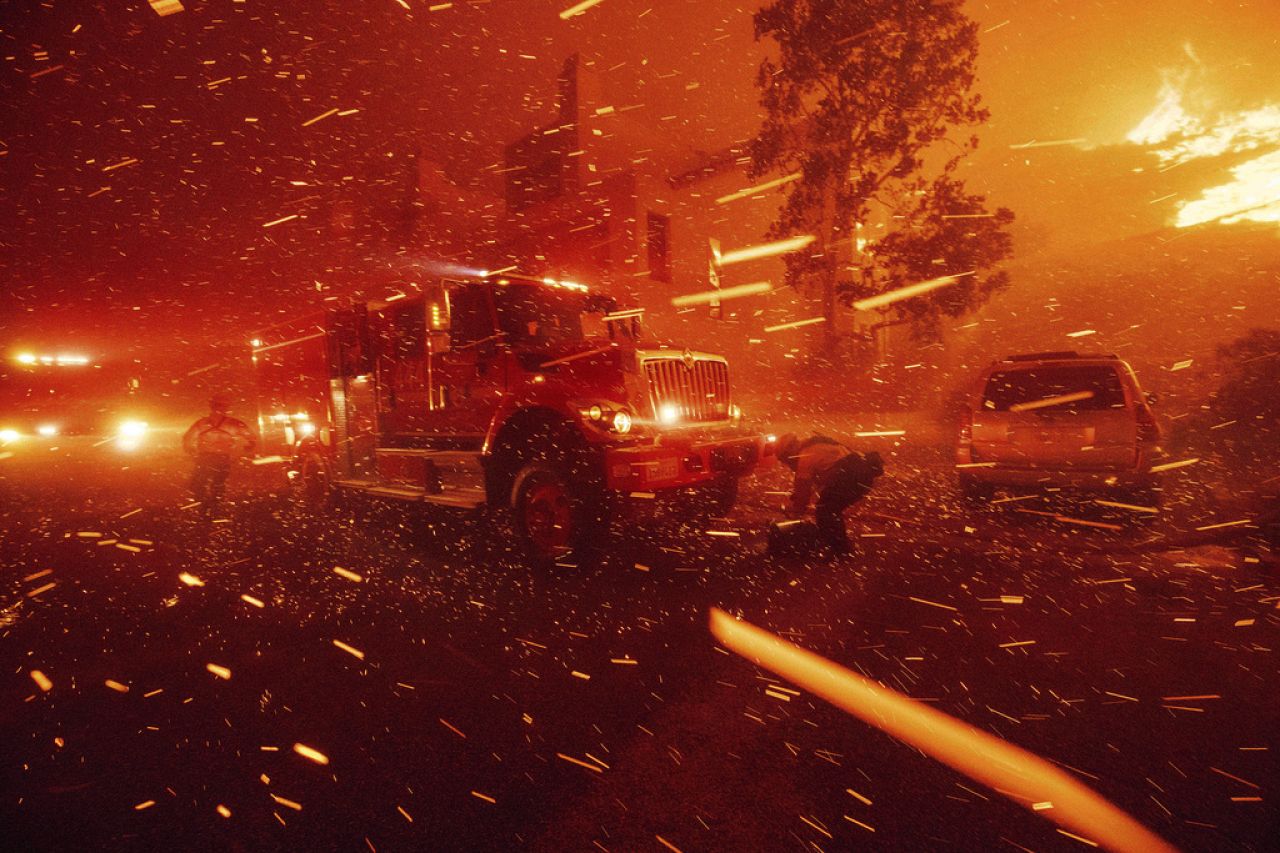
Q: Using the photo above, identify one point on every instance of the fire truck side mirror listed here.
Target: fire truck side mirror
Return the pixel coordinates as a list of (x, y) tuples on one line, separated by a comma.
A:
[(437, 341)]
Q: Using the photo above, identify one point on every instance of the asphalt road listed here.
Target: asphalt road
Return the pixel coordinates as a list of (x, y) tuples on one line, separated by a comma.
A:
[(464, 703)]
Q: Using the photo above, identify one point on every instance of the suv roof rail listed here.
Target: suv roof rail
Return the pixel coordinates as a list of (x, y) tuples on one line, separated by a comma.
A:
[(1059, 354)]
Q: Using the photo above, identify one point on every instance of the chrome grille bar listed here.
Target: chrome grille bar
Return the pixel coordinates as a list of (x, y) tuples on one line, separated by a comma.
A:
[(699, 393)]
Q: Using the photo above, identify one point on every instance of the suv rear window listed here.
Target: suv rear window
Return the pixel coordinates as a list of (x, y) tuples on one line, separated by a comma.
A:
[(1063, 387)]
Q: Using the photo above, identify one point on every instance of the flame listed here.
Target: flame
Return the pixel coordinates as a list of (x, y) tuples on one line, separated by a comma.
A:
[(1177, 137), (1167, 119)]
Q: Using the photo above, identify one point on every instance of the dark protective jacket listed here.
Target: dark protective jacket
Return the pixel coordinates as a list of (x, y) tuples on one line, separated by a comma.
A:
[(219, 435)]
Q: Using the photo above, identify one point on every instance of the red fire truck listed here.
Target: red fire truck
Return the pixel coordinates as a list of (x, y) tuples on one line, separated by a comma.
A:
[(503, 392)]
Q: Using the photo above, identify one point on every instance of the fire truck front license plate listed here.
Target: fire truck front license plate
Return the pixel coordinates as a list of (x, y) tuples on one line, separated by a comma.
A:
[(667, 468)]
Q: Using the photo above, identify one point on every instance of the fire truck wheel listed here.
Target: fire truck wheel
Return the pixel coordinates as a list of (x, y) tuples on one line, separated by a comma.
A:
[(548, 515)]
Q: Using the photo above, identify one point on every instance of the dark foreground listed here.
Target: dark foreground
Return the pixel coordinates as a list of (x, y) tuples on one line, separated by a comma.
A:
[(464, 703)]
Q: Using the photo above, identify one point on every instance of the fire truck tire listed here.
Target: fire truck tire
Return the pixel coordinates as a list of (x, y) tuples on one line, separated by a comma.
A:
[(550, 514)]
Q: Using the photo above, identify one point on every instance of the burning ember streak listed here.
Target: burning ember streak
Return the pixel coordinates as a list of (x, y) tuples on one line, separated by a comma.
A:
[(1014, 772), (1253, 194)]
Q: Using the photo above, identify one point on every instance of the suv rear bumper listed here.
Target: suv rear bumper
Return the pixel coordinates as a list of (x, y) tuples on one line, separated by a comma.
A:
[(673, 463), (1000, 475)]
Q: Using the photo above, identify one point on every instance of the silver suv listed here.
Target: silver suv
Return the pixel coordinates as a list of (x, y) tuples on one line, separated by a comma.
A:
[(1058, 419)]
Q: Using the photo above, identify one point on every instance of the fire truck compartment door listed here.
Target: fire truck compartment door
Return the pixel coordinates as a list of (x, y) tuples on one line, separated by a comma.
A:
[(466, 378)]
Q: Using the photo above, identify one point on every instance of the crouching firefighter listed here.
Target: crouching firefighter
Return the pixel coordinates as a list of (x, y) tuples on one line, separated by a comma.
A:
[(841, 478), (214, 441)]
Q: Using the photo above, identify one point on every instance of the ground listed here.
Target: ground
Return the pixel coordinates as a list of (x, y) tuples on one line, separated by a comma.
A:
[(463, 702)]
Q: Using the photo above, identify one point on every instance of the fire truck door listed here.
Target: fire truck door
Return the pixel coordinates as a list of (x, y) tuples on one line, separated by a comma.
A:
[(466, 377)]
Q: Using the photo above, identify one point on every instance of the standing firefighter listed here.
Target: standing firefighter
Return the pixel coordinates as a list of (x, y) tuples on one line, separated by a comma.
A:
[(840, 476), (214, 441)]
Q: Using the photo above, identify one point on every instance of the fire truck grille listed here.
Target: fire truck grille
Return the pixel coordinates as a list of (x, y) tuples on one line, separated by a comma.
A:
[(699, 393)]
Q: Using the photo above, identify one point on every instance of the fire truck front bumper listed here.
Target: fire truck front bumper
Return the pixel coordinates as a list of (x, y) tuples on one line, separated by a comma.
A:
[(677, 464)]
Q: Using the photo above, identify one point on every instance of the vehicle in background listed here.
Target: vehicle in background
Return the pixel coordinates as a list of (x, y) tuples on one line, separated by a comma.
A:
[(1059, 419), (48, 397), (504, 392)]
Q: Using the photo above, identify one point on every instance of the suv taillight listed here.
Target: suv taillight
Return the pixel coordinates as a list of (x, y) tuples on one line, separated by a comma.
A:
[(966, 429)]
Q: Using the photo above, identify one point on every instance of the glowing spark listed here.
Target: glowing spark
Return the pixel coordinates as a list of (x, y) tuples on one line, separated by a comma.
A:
[(1130, 507), (351, 576), (145, 804), (1225, 524), (224, 811), (766, 250), (709, 296), (1048, 143), (485, 797), (882, 299), (1169, 466), (249, 599), (321, 117), (280, 221), (1051, 401), (795, 324), (166, 7), (351, 650), (116, 686), (930, 603), (1083, 333), (289, 804), (190, 579), (758, 188), (578, 9), (129, 162), (1010, 770), (42, 681), (220, 671), (313, 754), (883, 433), (579, 762)]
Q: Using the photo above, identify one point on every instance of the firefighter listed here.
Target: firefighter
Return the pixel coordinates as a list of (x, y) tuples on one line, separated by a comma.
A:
[(214, 441), (840, 476)]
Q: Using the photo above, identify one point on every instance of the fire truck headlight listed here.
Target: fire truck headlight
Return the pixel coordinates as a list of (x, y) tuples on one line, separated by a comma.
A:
[(9, 435), (133, 429), (595, 413), (47, 430), (668, 413), (621, 423), (306, 429)]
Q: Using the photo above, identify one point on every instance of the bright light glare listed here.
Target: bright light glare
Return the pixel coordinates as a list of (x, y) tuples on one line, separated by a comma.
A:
[(47, 430), (133, 430), (307, 428), (26, 358), (621, 423), (668, 413), (8, 435)]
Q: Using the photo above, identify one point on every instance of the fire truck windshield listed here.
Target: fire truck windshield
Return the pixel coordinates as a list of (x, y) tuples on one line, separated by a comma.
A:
[(533, 315)]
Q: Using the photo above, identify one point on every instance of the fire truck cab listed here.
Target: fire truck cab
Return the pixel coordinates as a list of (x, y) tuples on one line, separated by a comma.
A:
[(504, 392)]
